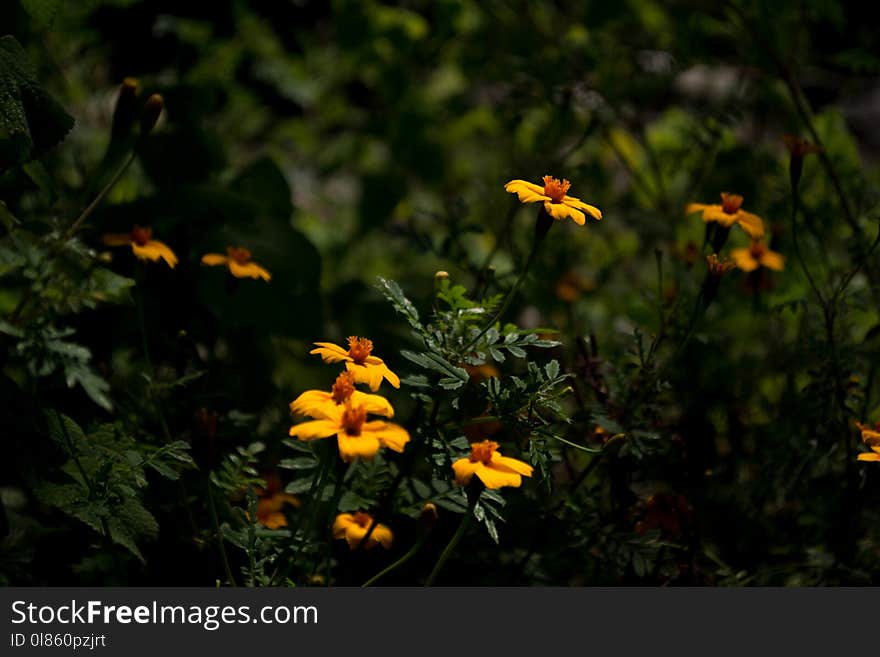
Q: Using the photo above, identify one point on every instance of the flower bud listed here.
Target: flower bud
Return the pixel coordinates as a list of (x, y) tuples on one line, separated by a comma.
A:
[(125, 111), (798, 148), (150, 114)]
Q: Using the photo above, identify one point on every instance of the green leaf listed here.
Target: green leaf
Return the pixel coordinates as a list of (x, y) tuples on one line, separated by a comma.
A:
[(31, 121), (42, 11), (391, 291)]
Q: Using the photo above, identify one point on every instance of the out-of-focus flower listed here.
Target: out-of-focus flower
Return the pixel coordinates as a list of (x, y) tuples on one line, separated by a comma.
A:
[(238, 260), (320, 404), (358, 360), (356, 437), (353, 527), (142, 244), (671, 513), (717, 266), (571, 285), (553, 194), (757, 255), (484, 372), (871, 437), (271, 503), (729, 213), (490, 467)]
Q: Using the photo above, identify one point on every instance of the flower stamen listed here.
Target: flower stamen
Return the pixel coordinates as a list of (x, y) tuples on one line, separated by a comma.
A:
[(140, 235), (556, 189), (239, 254), (482, 452), (359, 349), (731, 203), (343, 388), (353, 418)]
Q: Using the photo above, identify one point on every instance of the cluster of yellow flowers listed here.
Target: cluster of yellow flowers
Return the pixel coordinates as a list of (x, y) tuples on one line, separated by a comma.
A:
[(140, 239), (728, 213)]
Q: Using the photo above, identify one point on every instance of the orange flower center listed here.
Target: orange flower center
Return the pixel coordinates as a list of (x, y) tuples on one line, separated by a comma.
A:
[(362, 519), (342, 388), (482, 452), (359, 349), (555, 189), (353, 418), (238, 254), (731, 203), (141, 235), (757, 249)]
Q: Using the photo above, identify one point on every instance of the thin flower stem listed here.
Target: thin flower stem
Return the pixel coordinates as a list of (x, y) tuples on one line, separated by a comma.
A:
[(510, 295), (450, 547), (218, 535), (100, 197), (797, 248), (397, 564)]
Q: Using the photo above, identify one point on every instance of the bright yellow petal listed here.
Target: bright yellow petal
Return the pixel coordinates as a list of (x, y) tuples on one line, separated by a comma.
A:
[(314, 429), (514, 465), (274, 520), (153, 250), (248, 270), (494, 478), (381, 535), (212, 259), (743, 259), (390, 376), (375, 404), (773, 260), (752, 224), (560, 211), (316, 403), (341, 524), (372, 375), (117, 239), (392, 436), (464, 470), (526, 191), (715, 213), (331, 353), (869, 456), (695, 207), (365, 446), (591, 210)]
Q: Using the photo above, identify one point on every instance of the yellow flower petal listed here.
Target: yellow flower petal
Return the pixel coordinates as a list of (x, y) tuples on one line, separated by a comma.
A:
[(316, 403), (375, 404), (773, 260), (392, 436), (330, 353), (514, 465), (248, 270), (365, 446), (743, 259), (314, 429), (716, 213), (752, 224), (560, 211), (869, 456), (341, 524), (695, 207), (526, 191), (153, 250), (464, 470), (591, 210), (494, 478), (212, 259), (381, 534)]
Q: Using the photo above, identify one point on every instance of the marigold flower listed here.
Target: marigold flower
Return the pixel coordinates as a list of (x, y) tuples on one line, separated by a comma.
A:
[(554, 196), (490, 467), (354, 526), (269, 509), (320, 404), (356, 437), (142, 245), (238, 259), (359, 360), (729, 213), (718, 267), (757, 255)]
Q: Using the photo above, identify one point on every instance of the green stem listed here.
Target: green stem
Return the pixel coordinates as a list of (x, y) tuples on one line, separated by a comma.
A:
[(797, 248), (218, 535), (100, 197), (450, 547), (397, 564)]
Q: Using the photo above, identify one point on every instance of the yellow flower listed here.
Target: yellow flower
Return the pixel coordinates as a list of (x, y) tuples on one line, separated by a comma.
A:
[(757, 255), (321, 405), (269, 509), (142, 244), (356, 437), (490, 467), (354, 526), (871, 437), (238, 259), (729, 213), (365, 367), (556, 203)]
